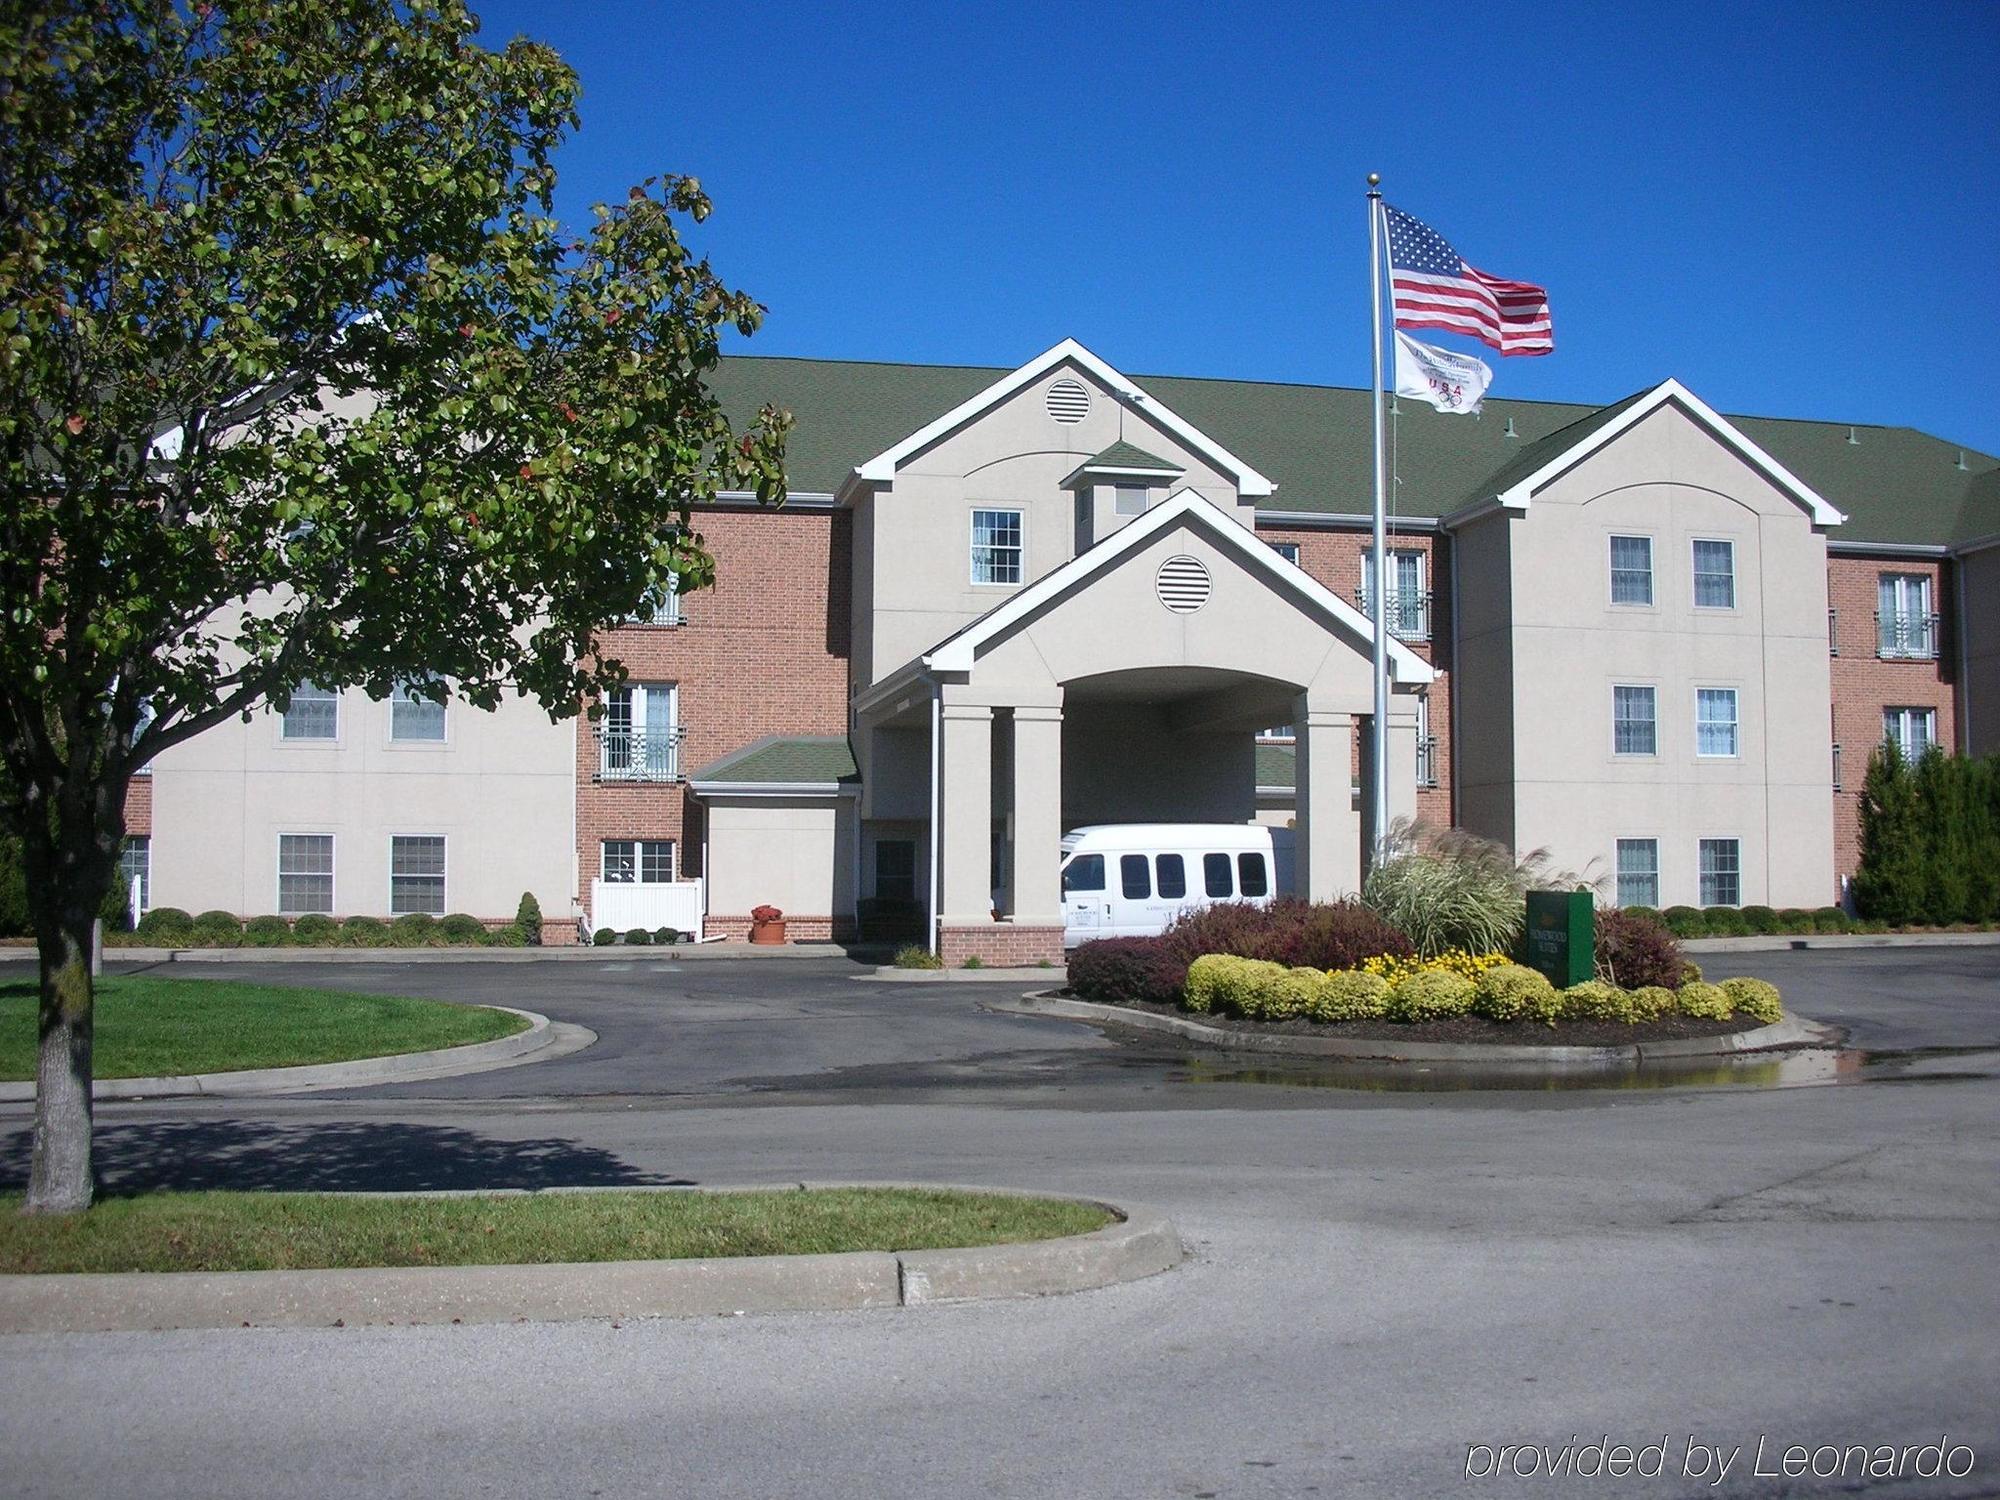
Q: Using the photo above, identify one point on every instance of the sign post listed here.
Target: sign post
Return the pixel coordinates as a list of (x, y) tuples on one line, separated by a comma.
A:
[(1562, 940)]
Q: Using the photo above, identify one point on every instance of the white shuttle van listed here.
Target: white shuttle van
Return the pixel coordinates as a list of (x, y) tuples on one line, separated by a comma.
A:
[(1132, 879)]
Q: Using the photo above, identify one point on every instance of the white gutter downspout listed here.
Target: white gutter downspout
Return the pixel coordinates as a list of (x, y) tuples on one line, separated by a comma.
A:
[(937, 764)]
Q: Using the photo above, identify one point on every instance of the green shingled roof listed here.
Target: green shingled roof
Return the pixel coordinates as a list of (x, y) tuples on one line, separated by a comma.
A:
[(1277, 765), (784, 758), (1124, 455), (1894, 484)]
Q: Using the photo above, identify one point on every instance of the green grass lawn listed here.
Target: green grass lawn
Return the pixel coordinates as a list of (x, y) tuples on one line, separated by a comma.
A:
[(277, 1231), (149, 1027)]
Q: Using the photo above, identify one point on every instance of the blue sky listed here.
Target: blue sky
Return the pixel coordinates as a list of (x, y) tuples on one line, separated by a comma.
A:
[(1795, 208)]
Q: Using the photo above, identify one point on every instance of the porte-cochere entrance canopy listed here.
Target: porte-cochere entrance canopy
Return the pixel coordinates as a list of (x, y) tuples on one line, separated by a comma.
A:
[(1127, 685)]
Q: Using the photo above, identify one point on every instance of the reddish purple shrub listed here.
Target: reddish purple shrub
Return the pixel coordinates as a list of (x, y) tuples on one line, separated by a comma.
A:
[(1296, 933), (1635, 951), (1118, 971)]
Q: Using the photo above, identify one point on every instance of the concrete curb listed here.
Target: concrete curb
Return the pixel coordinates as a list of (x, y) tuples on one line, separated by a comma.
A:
[(889, 973), (1791, 1031), (543, 1041), (1776, 942), (580, 953), (1142, 1243)]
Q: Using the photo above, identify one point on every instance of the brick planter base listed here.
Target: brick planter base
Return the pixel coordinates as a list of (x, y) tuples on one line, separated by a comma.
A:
[(797, 929), (1000, 945)]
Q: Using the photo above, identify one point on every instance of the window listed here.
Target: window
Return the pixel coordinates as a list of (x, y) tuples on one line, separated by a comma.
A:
[(314, 714), (1910, 730), (1714, 575), (1170, 875), (1215, 875), (1289, 551), (896, 870), (413, 718), (1635, 721), (1133, 877), (1631, 570), (645, 861), (639, 738), (1084, 873), (1129, 499), (1904, 626), (1250, 874), (416, 874), (996, 546), (135, 862), (1638, 872), (662, 606), (1715, 721), (1408, 611), (1721, 873), (305, 873)]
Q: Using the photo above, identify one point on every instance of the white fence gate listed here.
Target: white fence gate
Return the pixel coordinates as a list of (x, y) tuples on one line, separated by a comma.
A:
[(623, 905)]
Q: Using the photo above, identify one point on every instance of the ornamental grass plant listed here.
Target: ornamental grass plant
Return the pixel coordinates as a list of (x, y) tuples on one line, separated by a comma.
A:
[(1447, 888)]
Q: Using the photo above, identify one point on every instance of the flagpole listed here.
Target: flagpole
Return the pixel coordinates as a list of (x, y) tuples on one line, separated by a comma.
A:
[(1378, 588)]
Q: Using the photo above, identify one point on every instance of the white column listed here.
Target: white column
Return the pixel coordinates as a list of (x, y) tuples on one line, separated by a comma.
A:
[(966, 813), (1329, 824), (1037, 889)]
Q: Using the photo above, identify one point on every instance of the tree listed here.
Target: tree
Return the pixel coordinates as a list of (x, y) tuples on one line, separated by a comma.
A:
[(1891, 881), (300, 381)]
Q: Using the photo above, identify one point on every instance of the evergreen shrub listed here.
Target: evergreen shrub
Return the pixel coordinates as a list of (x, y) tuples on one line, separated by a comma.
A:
[(267, 932)]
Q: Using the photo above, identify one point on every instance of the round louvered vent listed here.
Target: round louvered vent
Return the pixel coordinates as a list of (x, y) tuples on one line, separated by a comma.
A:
[(1069, 402), (1183, 584)]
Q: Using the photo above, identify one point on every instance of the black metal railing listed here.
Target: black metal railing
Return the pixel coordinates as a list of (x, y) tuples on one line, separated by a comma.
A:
[(1427, 773), (1906, 636), (1833, 632), (1408, 615), (638, 754)]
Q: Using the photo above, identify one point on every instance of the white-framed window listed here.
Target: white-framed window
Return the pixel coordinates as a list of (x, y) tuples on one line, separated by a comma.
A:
[(1905, 629), (1631, 570), (1289, 551), (996, 546), (414, 718), (314, 714), (639, 739), (1638, 872), (135, 862), (1910, 730), (638, 861), (1635, 720), (1721, 865), (1714, 574), (662, 607), (416, 873), (1715, 722), (1129, 499), (305, 873)]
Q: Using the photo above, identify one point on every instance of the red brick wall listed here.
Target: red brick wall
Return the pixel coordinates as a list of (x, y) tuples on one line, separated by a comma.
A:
[(1336, 559), (1864, 684), (762, 652), (139, 807), (1001, 946)]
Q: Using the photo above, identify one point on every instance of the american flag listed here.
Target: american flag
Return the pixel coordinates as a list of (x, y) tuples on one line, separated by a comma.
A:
[(1433, 288)]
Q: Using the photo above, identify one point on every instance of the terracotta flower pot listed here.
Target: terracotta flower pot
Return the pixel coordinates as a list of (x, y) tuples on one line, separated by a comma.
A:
[(767, 932)]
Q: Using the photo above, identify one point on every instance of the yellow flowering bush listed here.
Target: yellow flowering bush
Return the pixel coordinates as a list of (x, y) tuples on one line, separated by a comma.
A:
[(1430, 995), (1451, 961), (1756, 998), (1510, 992), (1706, 1002), (1651, 1001), (1594, 1000), (1350, 995)]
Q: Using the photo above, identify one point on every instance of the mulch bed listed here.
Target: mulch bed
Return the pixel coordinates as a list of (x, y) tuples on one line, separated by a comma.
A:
[(1469, 1028)]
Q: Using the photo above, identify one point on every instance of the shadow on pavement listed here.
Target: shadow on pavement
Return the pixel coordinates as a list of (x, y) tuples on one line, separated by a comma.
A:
[(337, 1157)]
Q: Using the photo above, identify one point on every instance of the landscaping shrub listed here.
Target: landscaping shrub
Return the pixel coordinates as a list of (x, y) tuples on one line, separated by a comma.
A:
[(166, 927), (1295, 992), (1705, 1002), (505, 937), (1791, 919), (1455, 960), (666, 936), (1121, 971), (1291, 932), (1349, 995), (973, 961), (1725, 921), (1594, 1000), (267, 932), (460, 928), (1831, 919), (528, 920), (116, 911), (217, 929), (639, 937), (1452, 889), (315, 931), (14, 918), (1226, 983), (364, 932), (1651, 1001), (1511, 992), (1247, 986), (1431, 995), (1650, 913), (1755, 998), (1761, 920), (916, 956), (414, 929), (1930, 839), (1685, 921), (1632, 951), (604, 937)]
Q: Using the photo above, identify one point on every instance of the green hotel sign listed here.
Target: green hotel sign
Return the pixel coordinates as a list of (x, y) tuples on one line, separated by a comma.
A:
[(1562, 941)]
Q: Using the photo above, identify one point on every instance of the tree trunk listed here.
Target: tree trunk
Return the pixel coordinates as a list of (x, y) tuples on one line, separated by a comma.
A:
[(59, 1177)]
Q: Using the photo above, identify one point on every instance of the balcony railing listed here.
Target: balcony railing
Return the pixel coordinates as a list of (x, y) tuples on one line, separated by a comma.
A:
[(1906, 636), (1833, 632), (1836, 768), (1408, 615), (638, 754), (1427, 765)]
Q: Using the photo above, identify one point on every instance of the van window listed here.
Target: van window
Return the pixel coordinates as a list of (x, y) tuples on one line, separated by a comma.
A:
[(1215, 874), (1251, 868), (1132, 875), (1084, 873), (1171, 876)]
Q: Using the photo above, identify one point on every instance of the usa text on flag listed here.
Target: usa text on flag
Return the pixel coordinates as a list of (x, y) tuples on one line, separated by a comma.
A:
[(1433, 288)]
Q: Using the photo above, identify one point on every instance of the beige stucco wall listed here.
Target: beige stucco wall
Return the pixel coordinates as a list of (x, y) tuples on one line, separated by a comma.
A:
[(500, 788), (1670, 480), (1979, 693), (1015, 456), (794, 854)]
